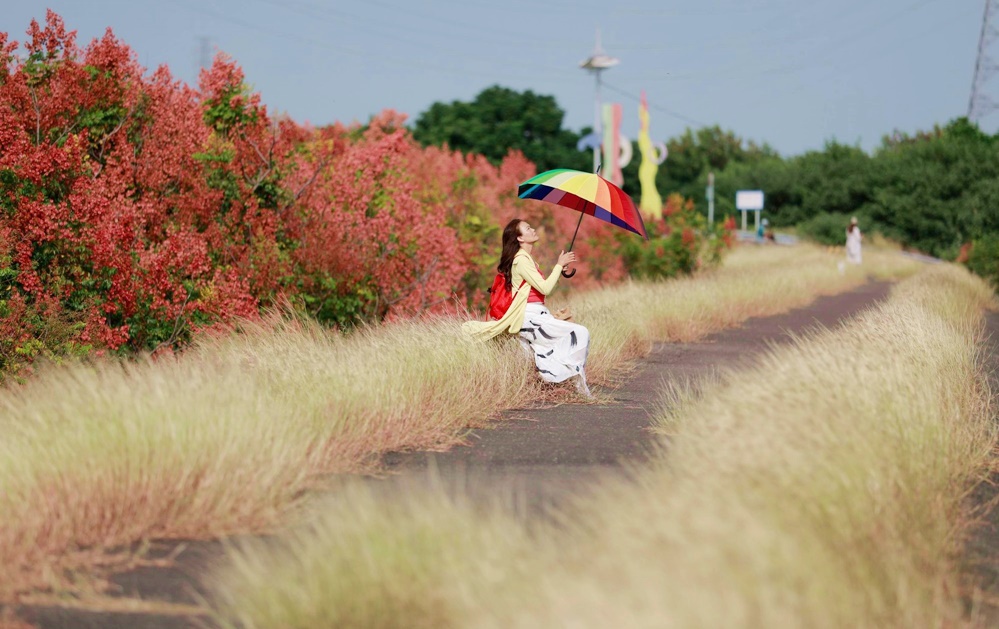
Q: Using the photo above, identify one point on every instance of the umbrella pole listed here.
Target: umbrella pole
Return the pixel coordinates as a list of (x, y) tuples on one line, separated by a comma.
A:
[(581, 215), (578, 223), (573, 272)]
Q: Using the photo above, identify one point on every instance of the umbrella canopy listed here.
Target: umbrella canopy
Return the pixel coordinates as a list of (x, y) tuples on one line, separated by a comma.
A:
[(584, 192)]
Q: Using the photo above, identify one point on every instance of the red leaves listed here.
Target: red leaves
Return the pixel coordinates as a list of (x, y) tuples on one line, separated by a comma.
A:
[(136, 210), (364, 224), (54, 41)]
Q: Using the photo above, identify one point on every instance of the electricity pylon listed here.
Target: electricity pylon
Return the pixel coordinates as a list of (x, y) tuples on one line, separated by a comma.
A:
[(981, 104)]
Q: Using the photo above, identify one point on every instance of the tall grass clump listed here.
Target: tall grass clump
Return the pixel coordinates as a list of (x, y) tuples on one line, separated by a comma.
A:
[(822, 487), (365, 562), (226, 437)]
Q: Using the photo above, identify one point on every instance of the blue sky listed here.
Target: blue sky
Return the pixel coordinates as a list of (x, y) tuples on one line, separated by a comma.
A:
[(792, 73)]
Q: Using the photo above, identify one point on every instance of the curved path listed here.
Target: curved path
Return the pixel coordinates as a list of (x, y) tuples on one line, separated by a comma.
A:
[(531, 461), (538, 457)]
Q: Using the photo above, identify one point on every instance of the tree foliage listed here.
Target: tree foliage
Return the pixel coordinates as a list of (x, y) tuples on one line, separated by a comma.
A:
[(500, 120), (679, 244), (933, 191), (937, 190), (137, 211)]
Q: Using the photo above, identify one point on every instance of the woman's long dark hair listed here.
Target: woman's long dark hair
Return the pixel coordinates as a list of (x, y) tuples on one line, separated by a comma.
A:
[(510, 248)]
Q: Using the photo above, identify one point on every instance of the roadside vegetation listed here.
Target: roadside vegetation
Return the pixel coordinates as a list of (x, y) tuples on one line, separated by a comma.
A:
[(206, 308), (138, 212), (822, 487), (104, 454)]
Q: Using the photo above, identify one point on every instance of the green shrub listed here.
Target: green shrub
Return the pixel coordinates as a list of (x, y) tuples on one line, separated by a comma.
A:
[(679, 244), (826, 228), (983, 259)]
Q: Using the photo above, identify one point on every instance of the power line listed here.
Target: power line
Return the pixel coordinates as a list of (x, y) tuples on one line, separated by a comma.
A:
[(456, 33), (837, 46), (668, 112), (395, 61), (811, 59), (763, 33)]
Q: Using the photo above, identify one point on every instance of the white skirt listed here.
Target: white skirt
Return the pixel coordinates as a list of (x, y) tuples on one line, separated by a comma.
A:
[(853, 252), (559, 347)]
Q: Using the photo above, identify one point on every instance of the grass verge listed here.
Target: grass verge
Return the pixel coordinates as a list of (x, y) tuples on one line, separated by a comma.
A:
[(822, 488), (227, 437)]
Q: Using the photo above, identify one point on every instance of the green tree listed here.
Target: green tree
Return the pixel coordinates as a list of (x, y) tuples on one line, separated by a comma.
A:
[(934, 191), (499, 120), (938, 190), (692, 156), (836, 180)]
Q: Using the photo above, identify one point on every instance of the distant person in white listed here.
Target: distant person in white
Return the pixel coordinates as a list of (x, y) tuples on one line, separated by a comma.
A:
[(853, 238)]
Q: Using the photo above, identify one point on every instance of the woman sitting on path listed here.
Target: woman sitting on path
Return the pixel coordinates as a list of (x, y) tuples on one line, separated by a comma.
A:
[(559, 347)]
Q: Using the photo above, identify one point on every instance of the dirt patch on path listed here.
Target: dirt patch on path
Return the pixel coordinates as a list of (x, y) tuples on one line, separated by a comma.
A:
[(531, 461)]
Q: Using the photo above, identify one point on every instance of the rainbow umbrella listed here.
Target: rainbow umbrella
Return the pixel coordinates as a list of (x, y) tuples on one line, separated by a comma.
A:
[(587, 193)]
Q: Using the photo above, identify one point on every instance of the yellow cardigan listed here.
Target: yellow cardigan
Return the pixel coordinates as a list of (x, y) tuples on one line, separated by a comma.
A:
[(524, 269)]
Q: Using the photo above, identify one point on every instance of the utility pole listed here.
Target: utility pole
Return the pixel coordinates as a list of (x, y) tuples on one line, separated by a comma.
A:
[(597, 63), (204, 53), (711, 198), (981, 104)]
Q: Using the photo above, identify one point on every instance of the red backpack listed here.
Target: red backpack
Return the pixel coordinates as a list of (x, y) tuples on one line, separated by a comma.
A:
[(500, 297)]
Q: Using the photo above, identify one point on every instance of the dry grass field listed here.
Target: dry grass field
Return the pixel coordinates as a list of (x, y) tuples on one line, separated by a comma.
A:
[(822, 487), (228, 437)]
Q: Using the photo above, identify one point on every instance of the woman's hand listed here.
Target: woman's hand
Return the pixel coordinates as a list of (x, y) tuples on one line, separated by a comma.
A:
[(564, 259)]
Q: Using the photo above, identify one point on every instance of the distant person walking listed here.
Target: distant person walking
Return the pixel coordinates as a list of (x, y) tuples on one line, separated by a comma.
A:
[(559, 346), (853, 239)]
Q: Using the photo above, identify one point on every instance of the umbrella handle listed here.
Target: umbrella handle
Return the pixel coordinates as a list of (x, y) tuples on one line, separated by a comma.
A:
[(569, 274)]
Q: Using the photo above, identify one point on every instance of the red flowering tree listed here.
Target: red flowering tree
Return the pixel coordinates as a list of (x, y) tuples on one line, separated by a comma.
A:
[(680, 243), (61, 120), (107, 219), (136, 210)]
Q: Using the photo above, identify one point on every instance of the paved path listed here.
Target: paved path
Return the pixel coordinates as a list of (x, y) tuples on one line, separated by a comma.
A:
[(539, 457), (981, 557), (531, 461)]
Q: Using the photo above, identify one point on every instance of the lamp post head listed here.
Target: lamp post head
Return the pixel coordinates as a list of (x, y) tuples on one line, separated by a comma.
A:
[(599, 62)]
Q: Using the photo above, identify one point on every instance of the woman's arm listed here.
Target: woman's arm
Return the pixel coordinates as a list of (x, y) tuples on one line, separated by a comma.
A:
[(524, 266)]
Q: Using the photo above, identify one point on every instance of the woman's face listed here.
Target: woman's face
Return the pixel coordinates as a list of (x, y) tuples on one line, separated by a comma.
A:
[(527, 234)]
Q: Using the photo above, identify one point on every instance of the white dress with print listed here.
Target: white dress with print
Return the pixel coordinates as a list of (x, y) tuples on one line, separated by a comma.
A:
[(559, 347), (853, 246)]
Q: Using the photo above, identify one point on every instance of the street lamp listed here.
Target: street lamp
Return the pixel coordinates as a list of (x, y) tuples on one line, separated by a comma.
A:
[(597, 63)]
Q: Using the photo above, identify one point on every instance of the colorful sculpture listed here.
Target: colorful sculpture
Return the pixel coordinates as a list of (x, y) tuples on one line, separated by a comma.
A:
[(651, 203)]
